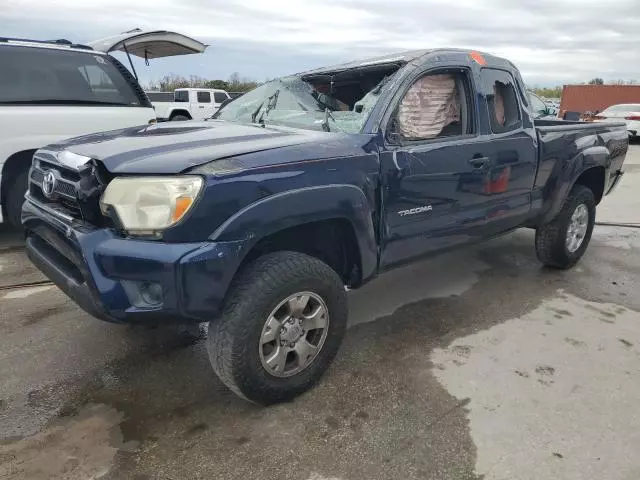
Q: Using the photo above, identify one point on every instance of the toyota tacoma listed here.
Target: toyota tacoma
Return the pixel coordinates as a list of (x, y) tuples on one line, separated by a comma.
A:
[(259, 220)]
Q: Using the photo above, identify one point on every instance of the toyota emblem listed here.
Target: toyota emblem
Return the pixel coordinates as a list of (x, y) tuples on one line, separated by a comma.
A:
[(49, 184)]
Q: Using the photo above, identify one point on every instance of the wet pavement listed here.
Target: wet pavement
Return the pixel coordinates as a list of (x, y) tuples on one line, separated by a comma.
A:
[(475, 364)]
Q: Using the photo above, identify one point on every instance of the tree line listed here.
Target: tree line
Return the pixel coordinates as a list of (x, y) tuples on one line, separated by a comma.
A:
[(169, 83), (236, 83), (556, 92)]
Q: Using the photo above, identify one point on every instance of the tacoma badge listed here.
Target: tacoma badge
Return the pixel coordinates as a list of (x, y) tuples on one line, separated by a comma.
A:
[(413, 211)]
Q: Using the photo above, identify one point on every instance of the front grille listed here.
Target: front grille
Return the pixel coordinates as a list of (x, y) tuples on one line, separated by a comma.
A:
[(62, 195), (67, 174), (74, 193)]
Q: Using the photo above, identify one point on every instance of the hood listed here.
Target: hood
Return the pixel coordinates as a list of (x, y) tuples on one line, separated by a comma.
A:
[(174, 147)]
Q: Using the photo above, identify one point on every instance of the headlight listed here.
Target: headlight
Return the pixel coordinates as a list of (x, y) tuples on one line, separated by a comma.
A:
[(145, 205)]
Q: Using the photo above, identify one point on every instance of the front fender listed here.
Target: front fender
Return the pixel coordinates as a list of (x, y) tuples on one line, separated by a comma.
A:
[(306, 205), (177, 111)]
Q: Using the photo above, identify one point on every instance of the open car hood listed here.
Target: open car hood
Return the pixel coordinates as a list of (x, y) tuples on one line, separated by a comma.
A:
[(150, 44)]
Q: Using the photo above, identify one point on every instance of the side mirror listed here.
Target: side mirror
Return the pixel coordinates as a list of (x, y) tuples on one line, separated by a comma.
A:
[(392, 134)]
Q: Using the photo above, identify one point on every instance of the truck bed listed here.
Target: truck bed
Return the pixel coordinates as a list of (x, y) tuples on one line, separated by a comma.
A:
[(566, 148)]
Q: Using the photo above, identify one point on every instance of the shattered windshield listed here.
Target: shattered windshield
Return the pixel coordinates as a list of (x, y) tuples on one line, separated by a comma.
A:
[(293, 102)]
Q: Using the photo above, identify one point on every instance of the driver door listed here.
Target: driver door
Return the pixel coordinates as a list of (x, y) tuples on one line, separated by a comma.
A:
[(434, 193)]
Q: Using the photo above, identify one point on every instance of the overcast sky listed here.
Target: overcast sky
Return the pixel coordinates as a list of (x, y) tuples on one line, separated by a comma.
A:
[(551, 41)]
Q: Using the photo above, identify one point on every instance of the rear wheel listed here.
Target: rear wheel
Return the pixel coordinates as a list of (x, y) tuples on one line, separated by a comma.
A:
[(179, 118), (15, 199), (563, 241), (280, 329)]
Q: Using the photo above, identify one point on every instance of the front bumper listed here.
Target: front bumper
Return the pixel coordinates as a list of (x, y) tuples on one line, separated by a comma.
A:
[(97, 268)]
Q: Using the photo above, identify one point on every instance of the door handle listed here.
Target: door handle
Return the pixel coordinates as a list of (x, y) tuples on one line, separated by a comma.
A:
[(479, 162), (200, 107)]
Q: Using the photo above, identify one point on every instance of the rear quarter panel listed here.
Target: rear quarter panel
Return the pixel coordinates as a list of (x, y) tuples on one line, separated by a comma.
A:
[(567, 151)]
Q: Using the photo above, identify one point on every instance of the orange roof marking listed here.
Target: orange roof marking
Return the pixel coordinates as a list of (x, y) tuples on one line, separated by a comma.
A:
[(478, 58)]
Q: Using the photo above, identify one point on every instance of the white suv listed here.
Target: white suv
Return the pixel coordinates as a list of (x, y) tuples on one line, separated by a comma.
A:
[(50, 91), (187, 103)]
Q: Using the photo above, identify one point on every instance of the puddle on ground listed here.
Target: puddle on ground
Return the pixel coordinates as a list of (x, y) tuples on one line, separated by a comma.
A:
[(383, 411), (553, 394), (456, 273)]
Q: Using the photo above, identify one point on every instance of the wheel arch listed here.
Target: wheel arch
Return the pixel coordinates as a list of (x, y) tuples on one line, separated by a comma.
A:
[(176, 112), (13, 166), (333, 241), (333, 223), (589, 169), (593, 178)]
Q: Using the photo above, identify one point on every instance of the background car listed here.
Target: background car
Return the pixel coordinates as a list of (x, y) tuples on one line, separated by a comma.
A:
[(187, 103), (53, 90), (540, 108), (625, 112)]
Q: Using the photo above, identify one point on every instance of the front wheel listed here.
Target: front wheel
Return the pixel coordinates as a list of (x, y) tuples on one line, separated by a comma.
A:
[(281, 327), (563, 241), (15, 199)]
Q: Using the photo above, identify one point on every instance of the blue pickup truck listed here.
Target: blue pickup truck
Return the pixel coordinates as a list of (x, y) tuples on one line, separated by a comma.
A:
[(260, 219)]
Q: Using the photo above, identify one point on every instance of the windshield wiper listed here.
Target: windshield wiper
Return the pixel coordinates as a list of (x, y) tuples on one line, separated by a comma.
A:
[(271, 104), (325, 120), (255, 114)]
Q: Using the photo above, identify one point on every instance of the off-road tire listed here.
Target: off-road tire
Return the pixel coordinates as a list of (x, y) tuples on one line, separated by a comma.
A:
[(15, 199), (233, 339), (551, 246), (179, 118)]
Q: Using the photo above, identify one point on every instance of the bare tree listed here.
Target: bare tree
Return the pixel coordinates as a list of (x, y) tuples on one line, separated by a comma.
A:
[(169, 83), (234, 79)]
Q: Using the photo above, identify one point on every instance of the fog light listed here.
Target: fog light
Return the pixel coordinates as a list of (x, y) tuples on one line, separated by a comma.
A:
[(151, 293), (143, 294)]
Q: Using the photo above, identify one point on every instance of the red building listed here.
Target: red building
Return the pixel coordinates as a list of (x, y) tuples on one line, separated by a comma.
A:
[(592, 98)]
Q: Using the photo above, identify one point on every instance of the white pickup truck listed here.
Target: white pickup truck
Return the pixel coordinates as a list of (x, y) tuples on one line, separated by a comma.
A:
[(187, 103), (50, 91)]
